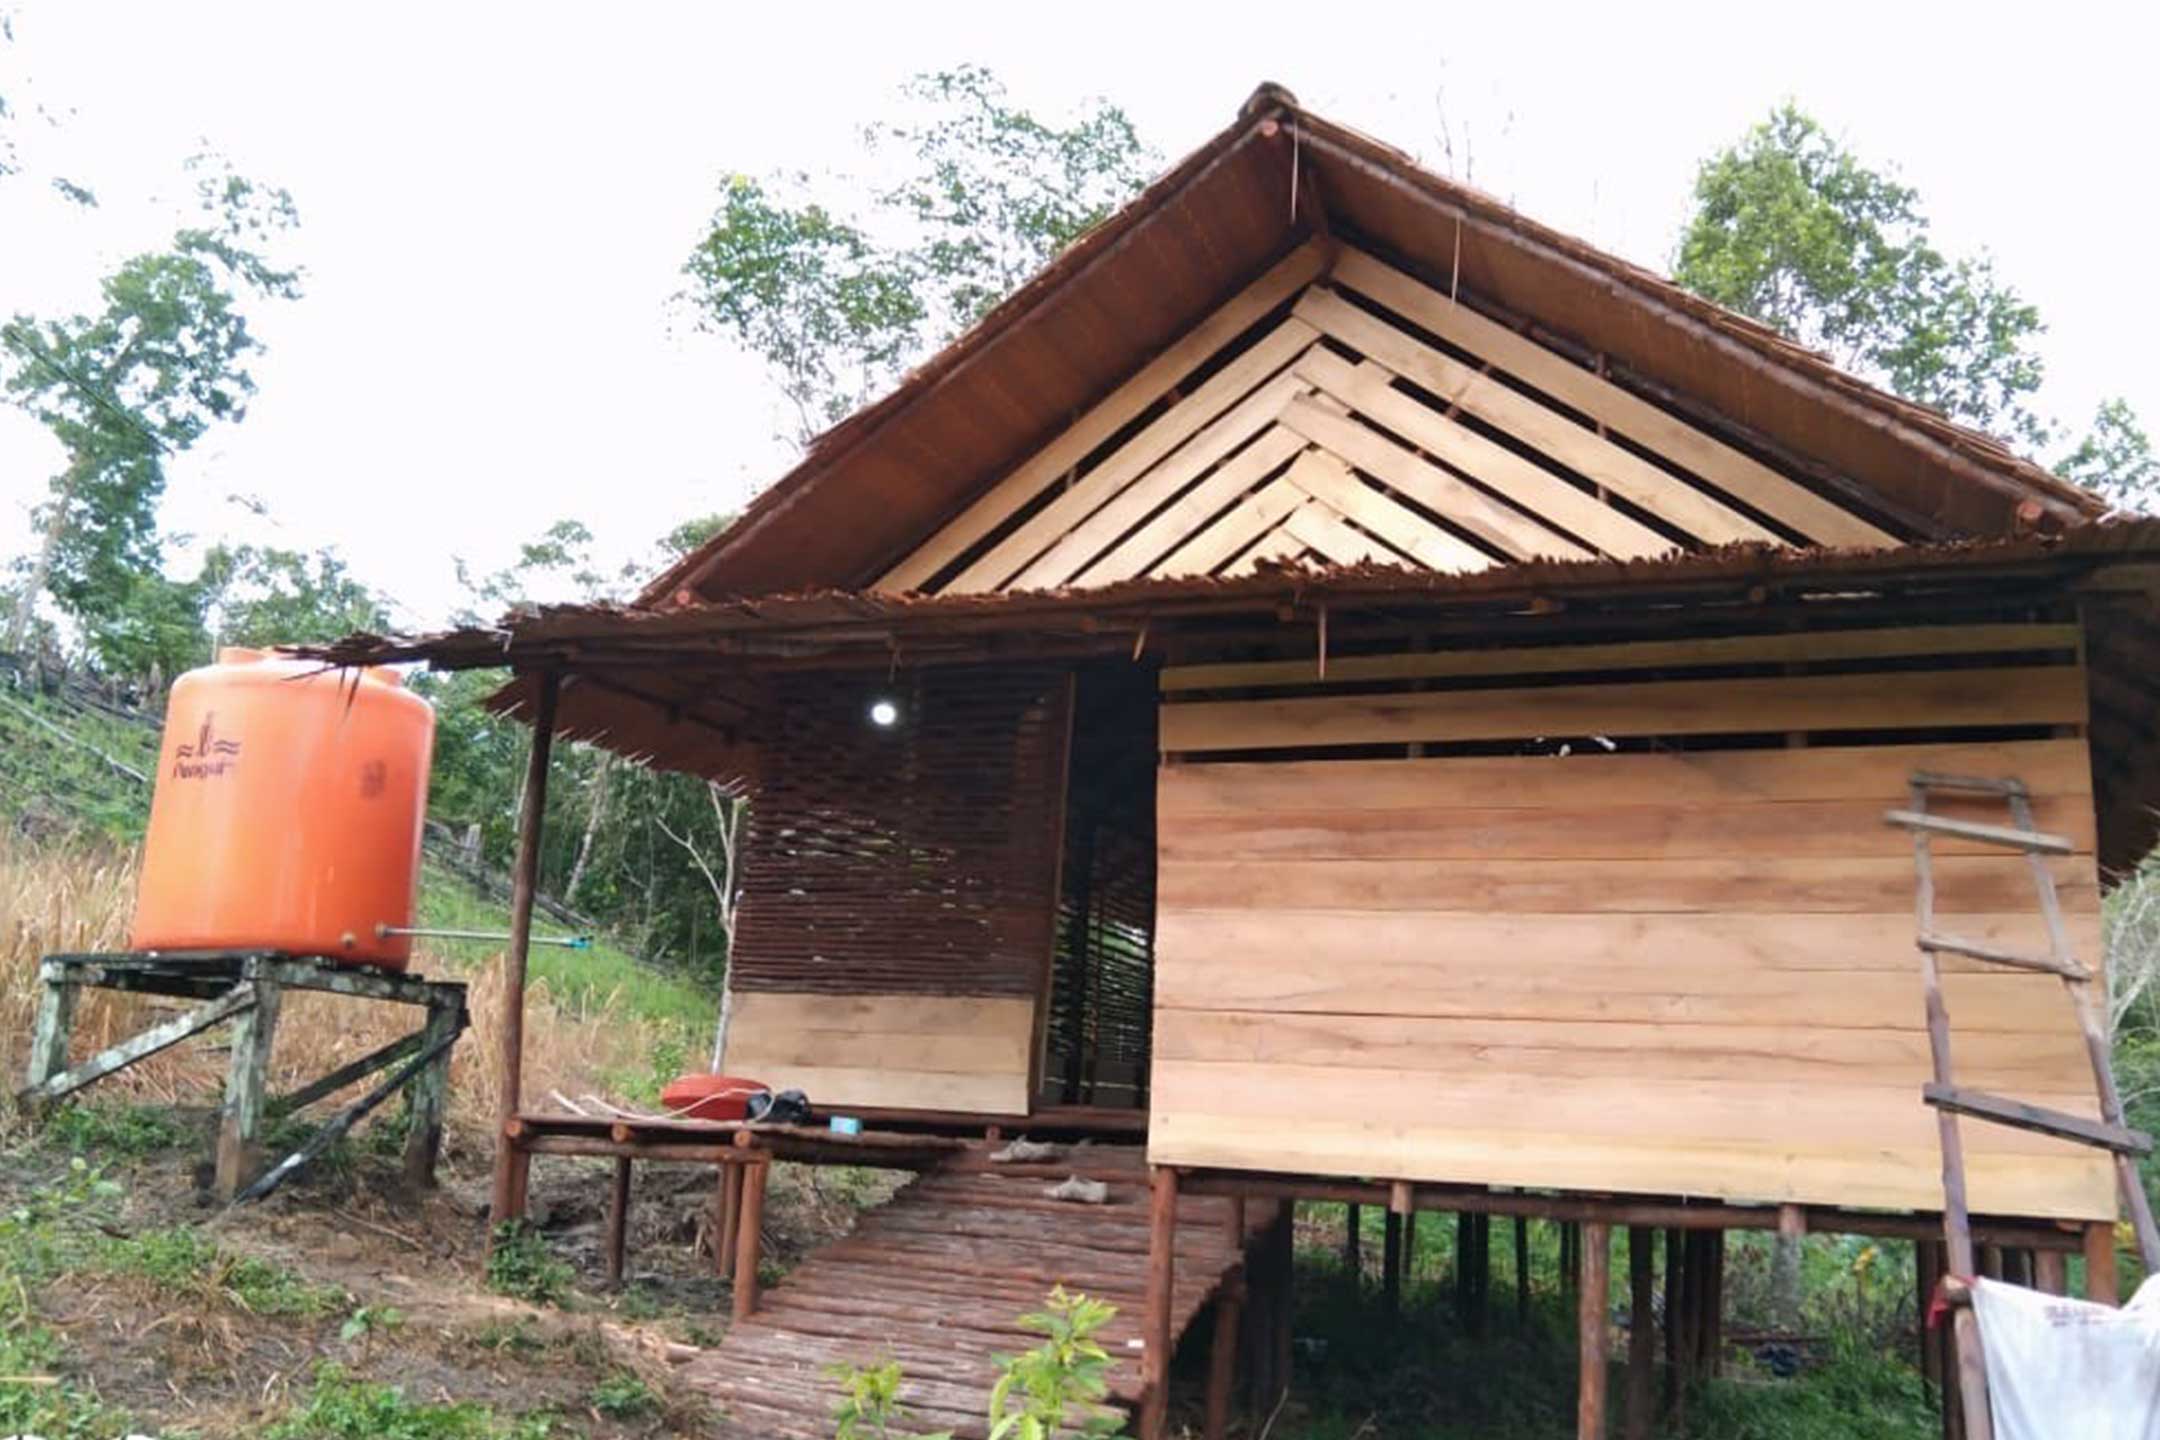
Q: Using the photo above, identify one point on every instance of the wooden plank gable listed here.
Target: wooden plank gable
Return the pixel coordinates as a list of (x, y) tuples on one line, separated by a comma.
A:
[(1339, 411)]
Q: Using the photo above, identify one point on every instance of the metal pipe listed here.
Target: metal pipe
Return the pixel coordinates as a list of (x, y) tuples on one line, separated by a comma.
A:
[(568, 942)]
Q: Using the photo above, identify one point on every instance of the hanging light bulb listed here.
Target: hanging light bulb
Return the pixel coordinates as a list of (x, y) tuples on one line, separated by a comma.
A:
[(884, 713)]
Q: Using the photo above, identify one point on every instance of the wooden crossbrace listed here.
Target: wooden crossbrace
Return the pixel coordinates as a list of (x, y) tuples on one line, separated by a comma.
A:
[(1949, 1100)]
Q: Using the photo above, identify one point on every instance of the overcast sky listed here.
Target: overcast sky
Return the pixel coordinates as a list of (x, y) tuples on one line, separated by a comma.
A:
[(496, 199)]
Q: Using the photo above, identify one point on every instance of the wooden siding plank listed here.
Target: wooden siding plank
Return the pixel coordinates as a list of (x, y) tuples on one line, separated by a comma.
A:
[(1766, 1169), (1277, 544), (1197, 507), (1874, 773), (1112, 414), (1089, 539), (1800, 648), (1233, 531), (1736, 473), (1368, 388), (1583, 451), (1326, 477), (1517, 535), (1585, 830), (1173, 428), (1980, 883), (927, 1051), (1908, 700)]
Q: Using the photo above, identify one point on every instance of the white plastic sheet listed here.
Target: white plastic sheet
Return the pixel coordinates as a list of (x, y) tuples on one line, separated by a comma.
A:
[(2061, 1369)]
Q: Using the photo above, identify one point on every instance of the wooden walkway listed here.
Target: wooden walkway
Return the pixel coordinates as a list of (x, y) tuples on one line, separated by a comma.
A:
[(937, 1278)]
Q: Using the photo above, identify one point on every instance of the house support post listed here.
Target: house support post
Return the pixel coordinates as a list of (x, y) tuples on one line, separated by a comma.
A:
[(1222, 1355), (727, 1208), (618, 1221), (2103, 1286), (1353, 1261), (1927, 1274), (1642, 1331), (1595, 1248), (1161, 1296), (247, 1084), (512, 1163), (2051, 1272), (1678, 1342), (1522, 1271), (757, 1169)]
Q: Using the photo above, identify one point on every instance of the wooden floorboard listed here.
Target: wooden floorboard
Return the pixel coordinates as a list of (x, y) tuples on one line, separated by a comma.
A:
[(937, 1279)]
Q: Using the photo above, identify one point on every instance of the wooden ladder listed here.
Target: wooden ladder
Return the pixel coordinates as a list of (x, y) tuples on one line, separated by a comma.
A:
[(1952, 1100)]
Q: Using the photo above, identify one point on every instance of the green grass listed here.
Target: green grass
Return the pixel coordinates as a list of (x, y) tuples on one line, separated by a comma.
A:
[(623, 1396), (114, 1129), (184, 1261), (521, 1266), (579, 980), (341, 1407)]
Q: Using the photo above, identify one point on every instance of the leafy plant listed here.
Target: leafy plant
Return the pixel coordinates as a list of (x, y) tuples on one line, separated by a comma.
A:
[(122, 1130), (521, 1266), (1034, 1397), (342, 1407), (869, 1402), (623, 1396), (185, 1261), (370, 1320)]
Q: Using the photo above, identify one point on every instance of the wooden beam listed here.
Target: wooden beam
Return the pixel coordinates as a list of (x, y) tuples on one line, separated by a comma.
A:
[(2103, 1281), (618, 1221), (138, 1047), (1642, 1331), (1110, 415), (749, 1250), (1197, 508), (2037, 1118), (2008, 836), (524, 884), (1739, 475), (1323, 475), (246, 1089), (1222, 1356)]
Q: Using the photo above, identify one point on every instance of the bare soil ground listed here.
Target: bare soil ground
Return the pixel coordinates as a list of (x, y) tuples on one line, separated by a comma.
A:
[(193, 1359)]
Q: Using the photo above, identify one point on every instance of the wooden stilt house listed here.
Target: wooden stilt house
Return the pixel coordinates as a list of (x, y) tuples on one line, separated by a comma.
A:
[(1384, 701)]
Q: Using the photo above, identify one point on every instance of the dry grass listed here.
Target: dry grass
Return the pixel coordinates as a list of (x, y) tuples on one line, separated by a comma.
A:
[(60, 900)]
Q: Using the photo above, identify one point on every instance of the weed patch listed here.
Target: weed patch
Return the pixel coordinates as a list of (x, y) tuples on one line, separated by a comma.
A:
[(340, 1407), (185, 1262), (521, 1266), (623, 1396), (114, 1130)]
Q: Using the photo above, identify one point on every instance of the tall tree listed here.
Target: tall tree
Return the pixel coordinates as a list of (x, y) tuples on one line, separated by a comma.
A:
[(838, 301), (1791, 228), (2116, 458), (130, 385)]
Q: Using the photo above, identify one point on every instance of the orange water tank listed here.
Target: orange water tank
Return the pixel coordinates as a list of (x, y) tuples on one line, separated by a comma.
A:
[(288, 812)]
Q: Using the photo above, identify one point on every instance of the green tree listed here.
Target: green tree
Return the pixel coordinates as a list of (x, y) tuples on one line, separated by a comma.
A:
[(1791, 228), (128, 386), (2116, 459), (837, 304), (262, 596)]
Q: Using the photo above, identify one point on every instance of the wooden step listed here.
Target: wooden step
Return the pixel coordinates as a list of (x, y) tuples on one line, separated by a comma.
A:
[(1975, 784), (2009, 835), (1997, 955), (2038, 1118)]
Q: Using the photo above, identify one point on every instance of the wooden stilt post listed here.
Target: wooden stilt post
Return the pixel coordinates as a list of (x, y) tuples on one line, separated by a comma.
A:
[(2051, 1272), (1465, 1246), (1642, 1331), (2103, 1286), (1282, 1244), (1222, 1355), (1161, 1283), (1522, 1270), (247, 1079), (727, 1208), (428, 1093), (618, 1220), (1481, 1276), (1391, 1265), (509, 1199), (1713, 1327), (1594, 1283), (1927, 1274), (748, 1241), (1409, 1247), (1352, 1258), (55, 1024)]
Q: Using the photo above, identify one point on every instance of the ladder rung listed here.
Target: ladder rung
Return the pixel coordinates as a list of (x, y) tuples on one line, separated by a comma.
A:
[(2059, 1123), (1996, 955), (2010, 835), (1978, 784)]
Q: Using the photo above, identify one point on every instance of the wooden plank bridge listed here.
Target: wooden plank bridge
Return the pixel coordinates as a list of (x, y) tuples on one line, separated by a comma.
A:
[(937, 1279)]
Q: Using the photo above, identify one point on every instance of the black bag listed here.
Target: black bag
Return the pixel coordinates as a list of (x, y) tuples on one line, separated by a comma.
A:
[(789, 1107)]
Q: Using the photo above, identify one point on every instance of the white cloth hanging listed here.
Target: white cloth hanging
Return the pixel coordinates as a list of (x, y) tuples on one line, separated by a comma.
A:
[(2061, 1369)]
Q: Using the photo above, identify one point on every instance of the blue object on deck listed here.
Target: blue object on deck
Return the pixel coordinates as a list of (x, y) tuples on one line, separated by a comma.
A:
[(846, 1125)]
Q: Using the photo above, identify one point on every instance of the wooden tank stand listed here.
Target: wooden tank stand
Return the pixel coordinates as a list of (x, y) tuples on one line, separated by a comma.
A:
[(247, 987)]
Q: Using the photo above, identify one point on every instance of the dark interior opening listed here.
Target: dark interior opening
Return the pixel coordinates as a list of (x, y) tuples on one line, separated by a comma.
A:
[(1102, 983)]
